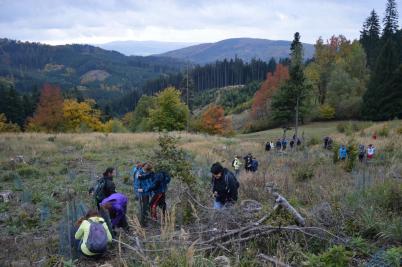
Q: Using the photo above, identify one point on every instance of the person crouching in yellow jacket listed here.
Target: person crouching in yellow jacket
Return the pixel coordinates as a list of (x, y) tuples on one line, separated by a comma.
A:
[(93, 233)]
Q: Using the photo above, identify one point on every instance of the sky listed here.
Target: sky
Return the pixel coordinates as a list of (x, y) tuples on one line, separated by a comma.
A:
[(195, 21)]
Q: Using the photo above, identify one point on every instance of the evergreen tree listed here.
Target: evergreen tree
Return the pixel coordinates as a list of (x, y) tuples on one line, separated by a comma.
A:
[(11, 103), (390, 20), (378, 88), (289, 103), (370, 37)]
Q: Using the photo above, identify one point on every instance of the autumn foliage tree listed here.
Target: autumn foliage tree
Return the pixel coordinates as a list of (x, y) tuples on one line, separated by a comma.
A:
[(49, 112), (213, 121), (81, 115), (261, 100)]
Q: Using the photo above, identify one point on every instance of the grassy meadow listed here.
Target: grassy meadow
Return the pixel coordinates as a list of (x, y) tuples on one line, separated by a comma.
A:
[(362, 204)]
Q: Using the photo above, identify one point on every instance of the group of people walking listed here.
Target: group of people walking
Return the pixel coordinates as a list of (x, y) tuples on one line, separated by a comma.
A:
[(282, 143)]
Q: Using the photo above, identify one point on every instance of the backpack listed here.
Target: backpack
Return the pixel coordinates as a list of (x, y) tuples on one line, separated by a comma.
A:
[(97, 238), (99, 190), (235, 180)]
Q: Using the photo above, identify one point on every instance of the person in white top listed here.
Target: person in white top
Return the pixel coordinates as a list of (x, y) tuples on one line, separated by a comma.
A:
[(370, 151)]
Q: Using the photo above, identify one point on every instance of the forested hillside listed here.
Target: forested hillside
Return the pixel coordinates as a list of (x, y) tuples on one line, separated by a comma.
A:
[(243, 48), (95, 72)]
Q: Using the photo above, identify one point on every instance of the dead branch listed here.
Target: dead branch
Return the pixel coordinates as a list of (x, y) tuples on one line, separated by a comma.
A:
[(273, 260)]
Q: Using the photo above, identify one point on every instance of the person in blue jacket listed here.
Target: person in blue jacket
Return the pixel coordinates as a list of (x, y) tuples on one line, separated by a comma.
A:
[(143, 186), (342, 152), (158, 188), (136, 171)]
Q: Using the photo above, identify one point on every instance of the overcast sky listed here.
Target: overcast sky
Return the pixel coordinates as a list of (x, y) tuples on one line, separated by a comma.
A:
[(101, 21)]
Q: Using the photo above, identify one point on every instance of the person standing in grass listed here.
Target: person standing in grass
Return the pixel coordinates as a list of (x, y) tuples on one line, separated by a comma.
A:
[(93, 234), (137, 171), (370, 151), (342, 153), (143, 188), (224, 186), (236, 165), (362, 152), (158, 190), (104, 186)]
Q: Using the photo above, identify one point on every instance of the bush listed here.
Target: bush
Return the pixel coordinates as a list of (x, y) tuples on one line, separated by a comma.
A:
[(115, 126), (29, 172), (393, 256), (8, 176), (313, 141), (303, 173), (327, 112), (352, 156), (336, 256), (399, 131), (341, 127), (384, 131)]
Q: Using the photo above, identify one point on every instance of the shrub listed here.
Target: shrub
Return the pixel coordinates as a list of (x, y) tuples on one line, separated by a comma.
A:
[(115, 126), (29, 172), (8, 176), (303, 173), (336, 256), (399, 130), (393, 256), (327, 112), (384, 131), (341, 127), (352, 156), (313, 141), (361, 245)]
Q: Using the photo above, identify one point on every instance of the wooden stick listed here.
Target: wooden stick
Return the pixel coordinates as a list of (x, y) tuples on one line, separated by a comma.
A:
[(281, 201), (273, 260)]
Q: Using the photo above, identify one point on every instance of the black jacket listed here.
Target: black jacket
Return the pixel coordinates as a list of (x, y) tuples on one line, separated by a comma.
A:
[(226, 187), (110, 187)]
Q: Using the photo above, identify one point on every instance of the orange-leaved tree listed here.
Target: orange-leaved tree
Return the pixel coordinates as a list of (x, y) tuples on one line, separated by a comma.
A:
[(49, 112), (261, 98), (213, 121)]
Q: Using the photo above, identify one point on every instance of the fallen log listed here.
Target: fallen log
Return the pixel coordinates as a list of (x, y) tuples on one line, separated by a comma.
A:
[(282, 202)]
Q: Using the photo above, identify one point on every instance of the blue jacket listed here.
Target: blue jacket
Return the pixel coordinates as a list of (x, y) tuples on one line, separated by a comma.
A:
[(342, 152), (135, 173), (159, 184), (144, 181)]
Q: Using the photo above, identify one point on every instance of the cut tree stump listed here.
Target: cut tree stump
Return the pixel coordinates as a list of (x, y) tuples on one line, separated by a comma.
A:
[(282, 202)]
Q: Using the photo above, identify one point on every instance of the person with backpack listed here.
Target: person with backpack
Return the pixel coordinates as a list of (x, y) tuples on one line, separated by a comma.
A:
[(370, 151), (116, 205), (158, 188), (326, 140), (342, 153), (278, 145), (104, 186), (362, 152), (247, 162), (143, 188), (292, 144), (236, 165), (284, 144), (224, 186), (254, 165), (93, 234)]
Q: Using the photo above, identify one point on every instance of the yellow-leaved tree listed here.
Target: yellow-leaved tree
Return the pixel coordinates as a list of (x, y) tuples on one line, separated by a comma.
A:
[(78, 116)]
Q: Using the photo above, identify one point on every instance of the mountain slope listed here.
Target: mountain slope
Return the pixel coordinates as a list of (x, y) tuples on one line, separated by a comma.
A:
[(143, 48), (98, 73), (244, 48)]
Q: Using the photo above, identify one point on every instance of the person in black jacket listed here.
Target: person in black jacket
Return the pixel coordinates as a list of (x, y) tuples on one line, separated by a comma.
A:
[(104, 186), (224, 186)]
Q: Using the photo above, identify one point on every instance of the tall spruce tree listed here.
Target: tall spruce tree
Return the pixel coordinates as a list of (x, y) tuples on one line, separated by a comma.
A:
[(289, 103), (370, 37), (390, 20), (378, 88)]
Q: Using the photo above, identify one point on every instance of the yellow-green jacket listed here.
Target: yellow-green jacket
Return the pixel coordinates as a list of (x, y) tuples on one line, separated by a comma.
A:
[(236, 163), (83, 232)]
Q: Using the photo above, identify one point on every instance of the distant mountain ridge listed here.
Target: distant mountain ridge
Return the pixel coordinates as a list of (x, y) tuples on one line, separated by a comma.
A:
[(244, 48), (143, 48)]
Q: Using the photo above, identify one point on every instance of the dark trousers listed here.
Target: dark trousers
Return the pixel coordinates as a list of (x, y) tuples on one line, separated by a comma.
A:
[(157, 200), (144, 207)]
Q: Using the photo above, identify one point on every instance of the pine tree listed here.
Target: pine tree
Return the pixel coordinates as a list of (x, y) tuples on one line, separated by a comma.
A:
[(390, 20), (370, 37)]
